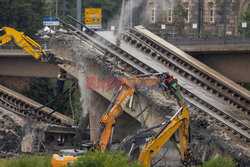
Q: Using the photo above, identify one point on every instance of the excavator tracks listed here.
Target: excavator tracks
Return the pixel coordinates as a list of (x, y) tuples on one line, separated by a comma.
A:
[(139, 54), (28, 109)]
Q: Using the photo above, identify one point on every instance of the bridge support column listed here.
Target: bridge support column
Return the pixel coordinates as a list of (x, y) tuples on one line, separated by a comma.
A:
[(98, 105), (125, 124)]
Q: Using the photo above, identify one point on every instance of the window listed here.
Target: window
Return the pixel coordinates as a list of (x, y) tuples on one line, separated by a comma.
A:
[(153, 12), (170, 12), (187, 11), (211, 11)]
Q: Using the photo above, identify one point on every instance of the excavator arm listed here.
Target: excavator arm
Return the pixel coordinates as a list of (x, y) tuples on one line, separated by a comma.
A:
[(23, 41), (114, 110), (180, 122), (123, 95)]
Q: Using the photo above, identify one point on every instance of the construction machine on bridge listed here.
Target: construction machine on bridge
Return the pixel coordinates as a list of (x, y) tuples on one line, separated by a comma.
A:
[(30, 46), (124, 94)]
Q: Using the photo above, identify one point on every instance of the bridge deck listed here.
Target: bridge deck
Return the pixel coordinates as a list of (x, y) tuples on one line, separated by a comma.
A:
[(195, 63), (18, 97), (243, 48), (187, 84)]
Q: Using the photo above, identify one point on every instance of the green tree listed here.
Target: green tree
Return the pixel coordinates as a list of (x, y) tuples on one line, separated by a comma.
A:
[(179, 17), (245, 17), (220, 161), (23, 15), (42, 90)]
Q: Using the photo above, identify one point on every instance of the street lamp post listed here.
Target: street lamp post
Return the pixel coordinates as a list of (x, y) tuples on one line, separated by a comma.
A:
[(225, 21), (244, 26), (56, 8), (78, 12), (194, 26), (131, 13), (64, 6)]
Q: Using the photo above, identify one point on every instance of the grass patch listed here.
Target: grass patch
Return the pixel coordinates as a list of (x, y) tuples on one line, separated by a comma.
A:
[(107, 159), (27, 161), (220, 161)]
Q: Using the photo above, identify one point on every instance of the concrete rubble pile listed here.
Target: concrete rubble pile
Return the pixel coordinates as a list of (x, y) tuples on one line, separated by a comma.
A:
[(18, 136), (10, 135)]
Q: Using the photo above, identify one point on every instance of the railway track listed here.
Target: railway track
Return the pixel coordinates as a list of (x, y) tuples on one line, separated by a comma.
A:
[(30, 109), (140, 54), (198, 76)]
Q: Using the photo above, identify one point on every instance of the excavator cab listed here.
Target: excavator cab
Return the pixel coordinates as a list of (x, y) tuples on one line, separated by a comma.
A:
[(66, 157), (2, 32), (3, 37)]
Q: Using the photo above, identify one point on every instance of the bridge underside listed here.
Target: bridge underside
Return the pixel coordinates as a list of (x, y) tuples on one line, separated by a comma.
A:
[(26, 66), (232, 65)]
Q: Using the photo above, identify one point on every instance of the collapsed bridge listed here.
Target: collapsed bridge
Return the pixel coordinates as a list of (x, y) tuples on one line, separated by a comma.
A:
[(97, 55), (142, 52), (40, 128)]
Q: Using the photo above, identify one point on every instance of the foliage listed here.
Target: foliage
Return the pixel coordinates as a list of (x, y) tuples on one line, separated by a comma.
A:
[(42, 90), (246, 85), (108, 8), (179, 17), (206, 34), (27, 161), (107, 159), (27, 15), (39, 89), (245, 17), (23, 15), (220, 161)]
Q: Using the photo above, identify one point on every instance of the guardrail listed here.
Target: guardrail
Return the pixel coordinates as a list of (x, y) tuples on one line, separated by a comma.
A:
[(206, 41), (192, 39)]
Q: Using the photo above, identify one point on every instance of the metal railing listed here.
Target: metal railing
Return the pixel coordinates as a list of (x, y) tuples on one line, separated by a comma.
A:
[(193, 39), (207, 41)]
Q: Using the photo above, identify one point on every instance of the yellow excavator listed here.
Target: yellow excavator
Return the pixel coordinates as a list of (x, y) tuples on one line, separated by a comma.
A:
[(26, 43), (8, 34), (123, 95), (179, 122)]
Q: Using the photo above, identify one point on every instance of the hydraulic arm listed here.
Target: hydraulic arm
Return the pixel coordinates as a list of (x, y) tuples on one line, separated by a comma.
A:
[(123, 95), (180, 122), (23, 41), (30, 46)]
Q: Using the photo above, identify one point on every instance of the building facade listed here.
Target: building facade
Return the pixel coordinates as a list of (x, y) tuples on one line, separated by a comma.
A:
[(200, 15)]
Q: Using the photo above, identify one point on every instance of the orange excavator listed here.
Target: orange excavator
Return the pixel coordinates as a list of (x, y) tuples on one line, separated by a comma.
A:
[(123, 95)]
